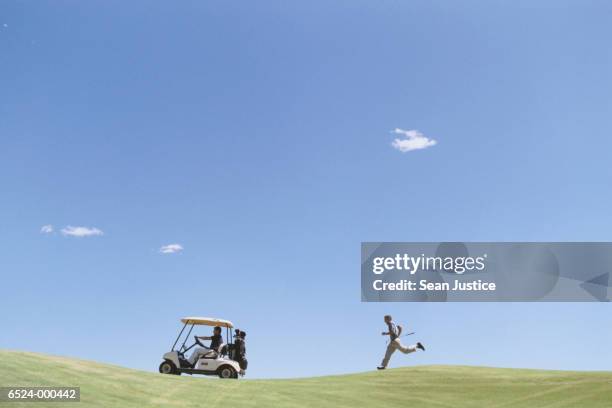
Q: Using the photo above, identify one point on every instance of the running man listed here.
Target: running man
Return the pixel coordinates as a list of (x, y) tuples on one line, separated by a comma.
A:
[(394, 333)]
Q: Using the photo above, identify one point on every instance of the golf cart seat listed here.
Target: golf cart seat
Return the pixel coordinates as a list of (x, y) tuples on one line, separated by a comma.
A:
[(214, 353)]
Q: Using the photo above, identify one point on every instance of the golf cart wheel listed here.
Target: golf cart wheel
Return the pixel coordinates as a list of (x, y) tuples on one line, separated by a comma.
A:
[(227, 372), (168, 367)]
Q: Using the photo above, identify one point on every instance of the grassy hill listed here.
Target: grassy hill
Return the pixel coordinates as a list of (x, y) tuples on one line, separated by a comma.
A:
[(427, 386)]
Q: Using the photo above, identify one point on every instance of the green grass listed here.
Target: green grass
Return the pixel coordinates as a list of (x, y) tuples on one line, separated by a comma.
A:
[(104, 385)]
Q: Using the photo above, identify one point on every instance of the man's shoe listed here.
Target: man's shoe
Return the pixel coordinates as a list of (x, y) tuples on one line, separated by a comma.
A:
[(420, 346), (380, 368)]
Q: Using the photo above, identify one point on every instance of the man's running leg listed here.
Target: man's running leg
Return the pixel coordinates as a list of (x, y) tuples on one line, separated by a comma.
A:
[(390, 350), (406, 349), (410, 349)]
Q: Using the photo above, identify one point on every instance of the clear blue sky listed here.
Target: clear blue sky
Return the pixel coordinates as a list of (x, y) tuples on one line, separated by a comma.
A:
[(257, 135)]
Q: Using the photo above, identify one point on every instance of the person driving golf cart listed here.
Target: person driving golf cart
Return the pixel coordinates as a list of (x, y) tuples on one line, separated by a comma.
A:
[(216, 342)]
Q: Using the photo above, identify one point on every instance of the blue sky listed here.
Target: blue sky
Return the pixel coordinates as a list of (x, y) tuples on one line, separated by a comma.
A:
[(258, 136)]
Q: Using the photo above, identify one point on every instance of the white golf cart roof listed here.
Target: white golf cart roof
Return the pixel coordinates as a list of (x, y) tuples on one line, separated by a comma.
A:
[(207, 321)]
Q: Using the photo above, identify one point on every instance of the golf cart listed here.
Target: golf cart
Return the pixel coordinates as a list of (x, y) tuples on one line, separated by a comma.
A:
[(222, 361)]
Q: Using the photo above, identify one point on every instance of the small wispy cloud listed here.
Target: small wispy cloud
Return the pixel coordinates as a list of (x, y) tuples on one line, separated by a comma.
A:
[(46, 229), (412, 140), (171, 249), (81, 231)]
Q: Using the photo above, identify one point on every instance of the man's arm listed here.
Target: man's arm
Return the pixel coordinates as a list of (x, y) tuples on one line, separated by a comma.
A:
[(204, 337), (399, 330)]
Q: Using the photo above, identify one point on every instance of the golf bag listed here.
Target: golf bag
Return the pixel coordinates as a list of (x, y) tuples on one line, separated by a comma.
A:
[(239, 353), (244, 363)]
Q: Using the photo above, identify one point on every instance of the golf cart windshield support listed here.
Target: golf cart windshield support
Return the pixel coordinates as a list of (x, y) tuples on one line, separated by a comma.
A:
[(182, 348), (186, 338), (178, 337)]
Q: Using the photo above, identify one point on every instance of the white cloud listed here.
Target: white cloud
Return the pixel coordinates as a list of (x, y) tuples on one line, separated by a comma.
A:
[(171, 249), (81, 231), (413, 140), (46, 229)]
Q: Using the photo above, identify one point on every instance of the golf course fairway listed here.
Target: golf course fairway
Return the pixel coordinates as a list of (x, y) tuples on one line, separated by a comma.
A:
[(424, 386)]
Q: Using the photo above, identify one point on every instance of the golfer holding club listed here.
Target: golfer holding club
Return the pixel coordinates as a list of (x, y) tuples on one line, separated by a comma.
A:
[(394, 333)]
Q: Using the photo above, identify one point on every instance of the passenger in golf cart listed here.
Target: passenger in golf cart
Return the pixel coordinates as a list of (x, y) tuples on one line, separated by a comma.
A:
[(216, 343)]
